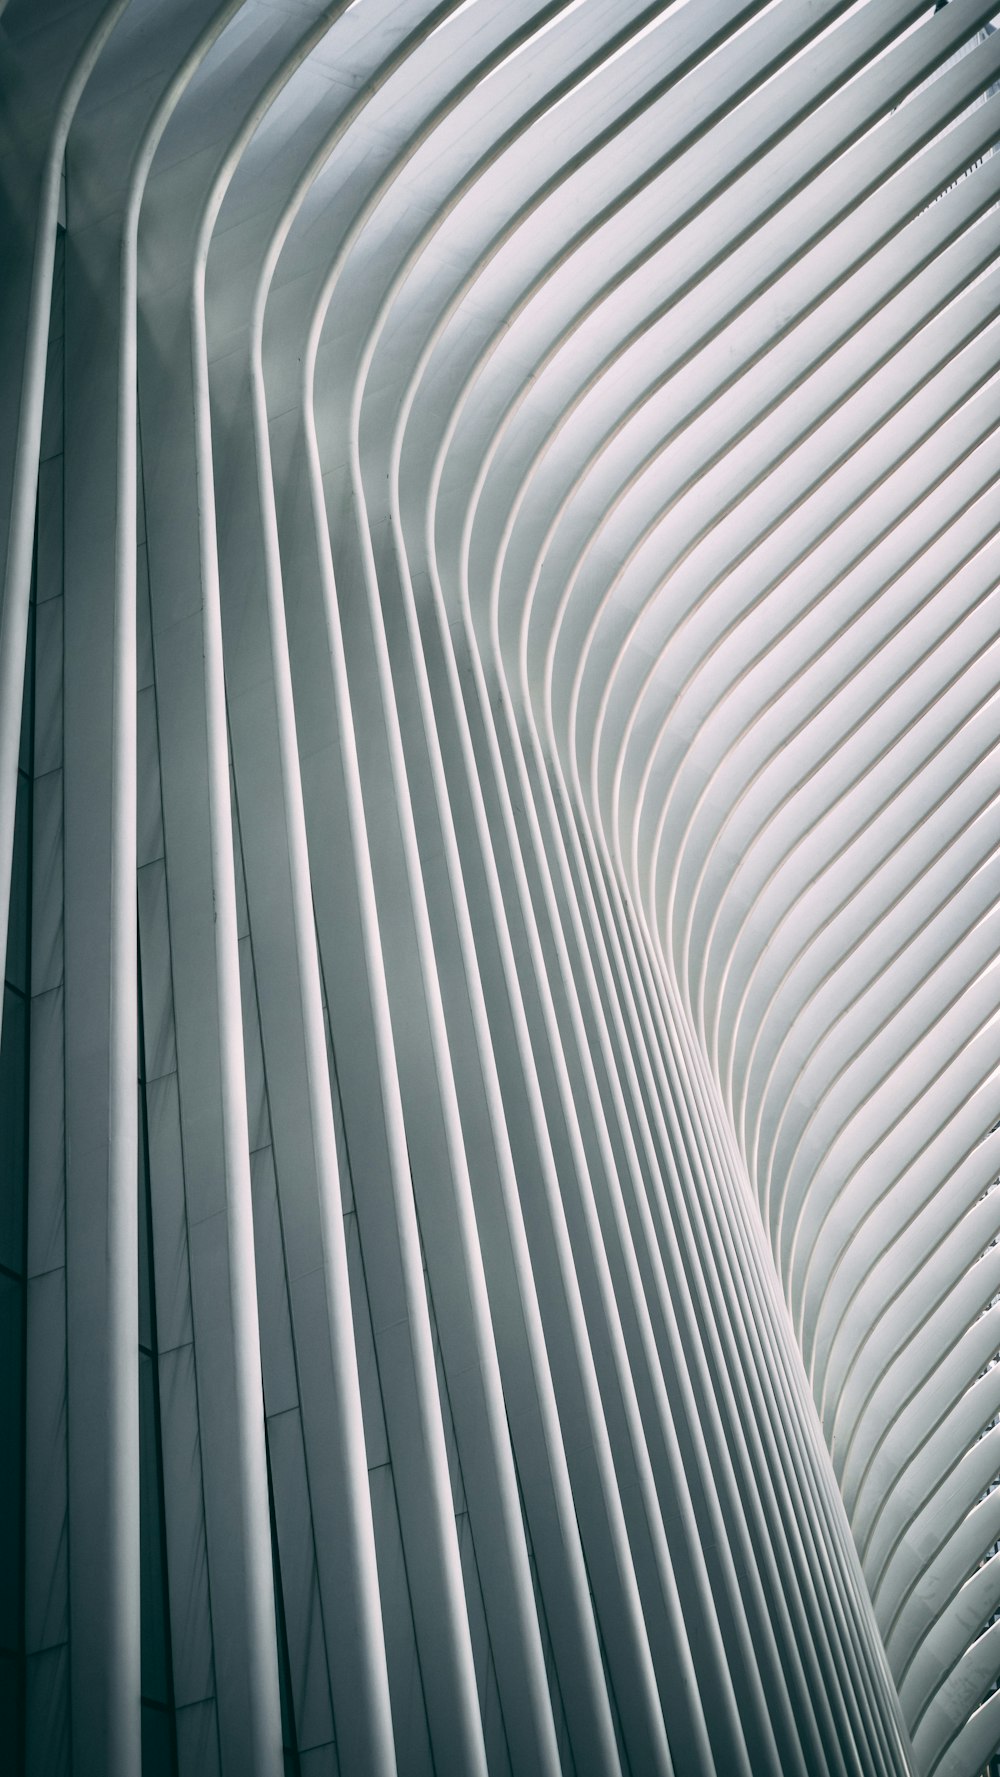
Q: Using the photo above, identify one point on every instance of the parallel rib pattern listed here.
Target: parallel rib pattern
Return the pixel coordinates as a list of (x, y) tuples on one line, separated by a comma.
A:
[(502, 538)]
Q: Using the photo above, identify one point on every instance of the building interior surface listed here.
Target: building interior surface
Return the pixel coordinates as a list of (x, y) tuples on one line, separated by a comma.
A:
[(499, 1113)]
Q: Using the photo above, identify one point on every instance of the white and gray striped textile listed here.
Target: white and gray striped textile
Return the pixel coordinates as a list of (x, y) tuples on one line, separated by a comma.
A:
[(499, 541)]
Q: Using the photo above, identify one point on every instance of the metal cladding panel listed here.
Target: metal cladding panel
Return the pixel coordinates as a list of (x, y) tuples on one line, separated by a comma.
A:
[(500, 544)]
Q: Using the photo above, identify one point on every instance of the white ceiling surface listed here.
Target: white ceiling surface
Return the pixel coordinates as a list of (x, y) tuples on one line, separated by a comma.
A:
[(635, 337)]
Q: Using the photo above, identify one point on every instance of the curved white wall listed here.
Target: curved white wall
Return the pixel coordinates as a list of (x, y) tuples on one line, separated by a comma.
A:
[(502, 535)]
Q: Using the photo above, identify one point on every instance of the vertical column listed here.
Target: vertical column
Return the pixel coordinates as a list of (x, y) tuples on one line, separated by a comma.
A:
[(101, 1050), (47, 1750), (198, 848)]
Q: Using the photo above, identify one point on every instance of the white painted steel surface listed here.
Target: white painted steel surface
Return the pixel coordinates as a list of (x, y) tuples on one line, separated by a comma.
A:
[(507, 498)]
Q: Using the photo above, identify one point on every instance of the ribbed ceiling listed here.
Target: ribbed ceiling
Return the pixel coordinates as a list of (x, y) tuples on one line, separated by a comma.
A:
[(582, 420)]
